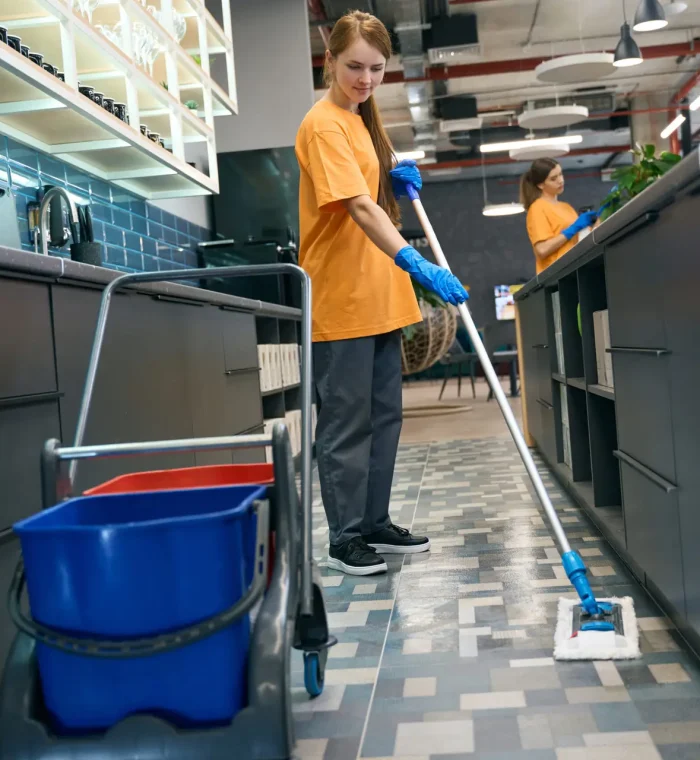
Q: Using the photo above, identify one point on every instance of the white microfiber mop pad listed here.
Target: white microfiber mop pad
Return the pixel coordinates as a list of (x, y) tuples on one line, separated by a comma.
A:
[(596, 645)]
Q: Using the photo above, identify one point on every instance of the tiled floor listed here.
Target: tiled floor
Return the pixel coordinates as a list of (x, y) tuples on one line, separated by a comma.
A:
[(450, 653)]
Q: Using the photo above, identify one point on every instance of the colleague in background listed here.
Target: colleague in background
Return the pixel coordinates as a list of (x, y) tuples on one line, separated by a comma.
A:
[(362, 295), (553, 226)]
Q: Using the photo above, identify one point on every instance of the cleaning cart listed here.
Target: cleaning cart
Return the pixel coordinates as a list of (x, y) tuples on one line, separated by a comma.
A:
[(216, 683)]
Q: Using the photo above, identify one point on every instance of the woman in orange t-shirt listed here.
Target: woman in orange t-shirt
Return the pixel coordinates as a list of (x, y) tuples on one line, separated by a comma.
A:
[(362, 296), (552, 225)]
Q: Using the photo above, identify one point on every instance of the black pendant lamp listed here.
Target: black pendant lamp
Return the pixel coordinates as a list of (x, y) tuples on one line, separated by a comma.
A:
[(627, 52), (649, 17)]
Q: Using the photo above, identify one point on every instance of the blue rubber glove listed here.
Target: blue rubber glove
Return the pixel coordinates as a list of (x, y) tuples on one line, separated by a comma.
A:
[(403, 174), (587, 219), (430, 276)]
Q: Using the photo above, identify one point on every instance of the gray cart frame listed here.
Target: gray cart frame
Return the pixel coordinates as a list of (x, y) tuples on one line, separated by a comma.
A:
[(291, 615)]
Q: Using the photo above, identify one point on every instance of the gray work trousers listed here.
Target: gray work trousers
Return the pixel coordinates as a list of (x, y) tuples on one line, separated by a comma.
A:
[(358, 386)]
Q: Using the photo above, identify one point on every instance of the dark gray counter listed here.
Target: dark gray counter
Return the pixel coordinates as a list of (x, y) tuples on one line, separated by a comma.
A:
[(634, 449), (177, 362)]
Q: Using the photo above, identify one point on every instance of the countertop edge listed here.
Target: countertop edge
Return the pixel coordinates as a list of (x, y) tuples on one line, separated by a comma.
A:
[(58, 269)]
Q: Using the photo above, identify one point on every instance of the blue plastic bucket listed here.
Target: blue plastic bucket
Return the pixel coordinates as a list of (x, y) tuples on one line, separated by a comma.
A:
[(134, 565)]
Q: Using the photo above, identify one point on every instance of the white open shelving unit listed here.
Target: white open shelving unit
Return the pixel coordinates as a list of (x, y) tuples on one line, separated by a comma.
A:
[(45, 113)]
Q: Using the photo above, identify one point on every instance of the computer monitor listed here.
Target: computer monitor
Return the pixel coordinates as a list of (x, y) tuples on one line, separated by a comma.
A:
[(505, 305)]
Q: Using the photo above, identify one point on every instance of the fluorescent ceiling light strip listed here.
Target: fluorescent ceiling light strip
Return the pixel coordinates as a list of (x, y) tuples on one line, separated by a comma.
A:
[(562, 140), (408, 155), (695, 104), (673, 126), (502, 209)]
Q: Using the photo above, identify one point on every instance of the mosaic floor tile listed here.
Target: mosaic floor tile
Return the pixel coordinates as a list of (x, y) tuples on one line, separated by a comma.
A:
[(449, 655)]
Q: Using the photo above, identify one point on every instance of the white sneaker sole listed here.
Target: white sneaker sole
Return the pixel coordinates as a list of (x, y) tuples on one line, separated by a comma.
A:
[(393, 549), (336, 564)]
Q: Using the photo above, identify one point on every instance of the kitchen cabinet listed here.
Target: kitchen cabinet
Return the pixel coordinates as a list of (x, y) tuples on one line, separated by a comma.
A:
[(638, 440), (23, 430), (652, 528), (25, 372)]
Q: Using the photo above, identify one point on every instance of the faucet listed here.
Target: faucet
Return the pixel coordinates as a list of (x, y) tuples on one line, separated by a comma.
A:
[(43, 225)]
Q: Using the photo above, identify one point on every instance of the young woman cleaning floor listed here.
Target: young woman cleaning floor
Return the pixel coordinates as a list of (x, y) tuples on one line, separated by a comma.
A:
[(362, 295)]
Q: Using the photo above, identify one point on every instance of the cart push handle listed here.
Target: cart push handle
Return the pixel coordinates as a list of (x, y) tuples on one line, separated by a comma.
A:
[(53, 455), (306, 381)]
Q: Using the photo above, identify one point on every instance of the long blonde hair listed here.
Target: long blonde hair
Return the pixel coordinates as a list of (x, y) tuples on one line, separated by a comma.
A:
[(345, 31), (537, 173)]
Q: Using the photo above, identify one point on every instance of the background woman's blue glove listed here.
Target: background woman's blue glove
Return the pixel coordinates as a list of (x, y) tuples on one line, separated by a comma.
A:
[(430, 276), (403, 174), (586, 219)]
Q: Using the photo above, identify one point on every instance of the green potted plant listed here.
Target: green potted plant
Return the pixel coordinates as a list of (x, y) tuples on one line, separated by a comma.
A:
[(633, 179)]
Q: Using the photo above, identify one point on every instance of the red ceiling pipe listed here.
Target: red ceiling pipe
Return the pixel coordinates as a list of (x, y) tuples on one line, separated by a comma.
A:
[(488, 68), (317, 10), (490, 160), (687, 87)]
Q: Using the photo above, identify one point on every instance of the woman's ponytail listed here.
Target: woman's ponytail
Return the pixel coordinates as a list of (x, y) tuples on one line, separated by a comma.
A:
[(530, 181), (385, 153)]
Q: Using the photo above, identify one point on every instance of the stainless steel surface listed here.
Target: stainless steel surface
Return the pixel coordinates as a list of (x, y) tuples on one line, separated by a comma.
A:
[(159, 447), (495, 386), (43, 216), (306, 382)]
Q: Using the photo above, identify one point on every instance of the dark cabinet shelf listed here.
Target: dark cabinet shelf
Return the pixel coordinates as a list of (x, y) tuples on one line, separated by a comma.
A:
[(577, 382), (277, 391), (603, 391), (559, 378)]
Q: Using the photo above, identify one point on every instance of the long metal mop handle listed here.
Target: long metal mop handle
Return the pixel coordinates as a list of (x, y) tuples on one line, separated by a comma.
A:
[(493, 382)]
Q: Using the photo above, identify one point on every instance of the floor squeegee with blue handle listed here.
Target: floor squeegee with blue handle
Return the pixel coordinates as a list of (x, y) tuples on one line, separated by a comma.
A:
[(587, 628)]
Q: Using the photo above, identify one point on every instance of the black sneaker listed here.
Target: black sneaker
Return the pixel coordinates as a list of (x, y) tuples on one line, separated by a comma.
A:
[(395, 540), (354, 557)]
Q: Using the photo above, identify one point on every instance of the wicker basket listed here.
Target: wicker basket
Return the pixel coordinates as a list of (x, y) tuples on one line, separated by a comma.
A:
[(431, 339)]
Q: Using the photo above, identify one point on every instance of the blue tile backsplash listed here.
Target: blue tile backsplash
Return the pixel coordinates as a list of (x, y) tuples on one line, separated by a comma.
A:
[(135, 235)]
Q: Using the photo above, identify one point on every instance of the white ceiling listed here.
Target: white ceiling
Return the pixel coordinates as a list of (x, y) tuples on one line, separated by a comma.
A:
[(519, 29)]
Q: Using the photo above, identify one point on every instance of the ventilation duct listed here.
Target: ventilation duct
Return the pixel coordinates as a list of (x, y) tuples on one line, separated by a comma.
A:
[(452, 39)]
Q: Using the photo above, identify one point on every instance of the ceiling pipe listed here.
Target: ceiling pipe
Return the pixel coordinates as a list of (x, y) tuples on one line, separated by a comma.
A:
[(492, 160), (317, 10), (686, 88), (510, 66)]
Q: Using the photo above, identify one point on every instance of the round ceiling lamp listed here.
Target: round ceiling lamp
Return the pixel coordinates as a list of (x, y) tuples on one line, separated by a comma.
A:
[(570, 69), (649, 17), (553, 117), (502, 209), (532, 152), (675, 7), (627, 52)]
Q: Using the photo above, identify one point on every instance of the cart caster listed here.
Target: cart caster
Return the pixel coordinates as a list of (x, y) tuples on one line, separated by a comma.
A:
[(315, 672)]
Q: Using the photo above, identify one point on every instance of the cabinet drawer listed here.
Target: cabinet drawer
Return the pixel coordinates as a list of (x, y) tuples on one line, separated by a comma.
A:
[(26, 339), (652, 528), (635, 301), (242, 402), (240, 341), (533, 319), (23, 431), (643, 407)]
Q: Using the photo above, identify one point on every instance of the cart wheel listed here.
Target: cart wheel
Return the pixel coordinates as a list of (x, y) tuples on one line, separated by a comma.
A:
[(314, 674)]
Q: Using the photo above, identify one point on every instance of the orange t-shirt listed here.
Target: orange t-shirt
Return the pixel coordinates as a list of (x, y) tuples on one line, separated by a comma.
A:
[(546, 220), (357, 289)]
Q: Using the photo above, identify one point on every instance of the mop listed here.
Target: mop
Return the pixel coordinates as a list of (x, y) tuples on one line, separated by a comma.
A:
[(587, 628)]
